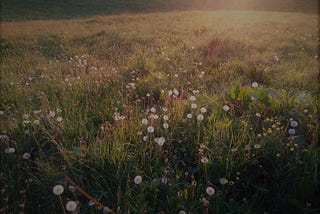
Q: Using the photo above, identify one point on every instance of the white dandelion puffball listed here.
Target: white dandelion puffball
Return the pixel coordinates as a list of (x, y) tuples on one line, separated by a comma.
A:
[(203, 110), (294, 124), (26, 156), (255, 85), (153, 110), (194, 106), (71, 206), (161, 141), (165, 117), (204, 160), (182, 212), (150, 129), (155, 116), (257, 146), (138, 179), (10, 150), (226, 108), (193, 98), (292, 131), (58, 189), (223, 181), (189, 116), (200, 117), (59, 119), (165, 125), (144, 121), (145, 138), (210, 191), (36, 122)]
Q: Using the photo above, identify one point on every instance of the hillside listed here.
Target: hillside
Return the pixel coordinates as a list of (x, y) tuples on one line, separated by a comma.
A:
[(59, 9)]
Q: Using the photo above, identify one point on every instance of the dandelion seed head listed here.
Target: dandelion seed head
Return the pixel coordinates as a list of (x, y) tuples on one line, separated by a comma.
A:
[(36, 122), (257, 146), (165, 117), (137, 180), (150, 129), (189, 116), (145, 138), (200, 117), (153, 110), (203, 109), (9, 150), (71, 206), (144, 121), (210, 191), (292, 131), (165, 125), (26, 156), (255, 85), (223, 181), (194, 106), (193, 98), (58, 189), (204, 160), (294, 124), (226, 108), (59, 119)]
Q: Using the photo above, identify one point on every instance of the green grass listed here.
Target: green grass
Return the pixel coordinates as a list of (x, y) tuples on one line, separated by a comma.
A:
[(74, 93)]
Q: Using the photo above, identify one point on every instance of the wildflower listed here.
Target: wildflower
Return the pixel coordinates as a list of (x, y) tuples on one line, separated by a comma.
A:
[(189, 116), (193, 98), (226, 108), (51, 114), (144, 121), (254, 85), (36, 122), (148, 95), (160, 141), (105, 210), (26, 156), (145, 138), (59, 110), (164, 180), (165, 117), (91, 203), (71, 206), (194, 106), (205, 202), (182, 212), (164, 109), (258, 114), (203, 110), (58, 189), (259, 135), (165, 125), (200, 117), (59, 119), (9, 150), (294, 124), (1, 112), (204, 160), (137, 180), (153, 110), (210, 191), (257, 146), (292, 131), (176, 92), (223, 181), (150, 129)]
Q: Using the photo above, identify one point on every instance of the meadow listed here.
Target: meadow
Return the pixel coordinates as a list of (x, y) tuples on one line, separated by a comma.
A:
[(176, 112)]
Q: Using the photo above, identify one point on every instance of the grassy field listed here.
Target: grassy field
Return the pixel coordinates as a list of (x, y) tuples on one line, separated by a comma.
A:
[(180, 112)]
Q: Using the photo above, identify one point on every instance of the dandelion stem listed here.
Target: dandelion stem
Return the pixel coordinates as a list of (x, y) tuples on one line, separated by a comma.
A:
[(60, 199)]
